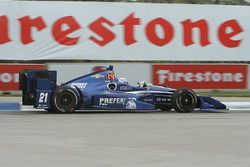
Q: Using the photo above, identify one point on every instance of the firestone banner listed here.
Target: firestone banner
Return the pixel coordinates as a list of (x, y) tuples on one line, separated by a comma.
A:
[(201, 76), (41, 30), (9, 74)]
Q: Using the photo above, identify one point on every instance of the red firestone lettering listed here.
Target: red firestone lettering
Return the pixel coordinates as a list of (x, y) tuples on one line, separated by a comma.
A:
[(226, 37), (169, 76), (102, 31), (152, 35), (188, 26), (98, 27), (4, 32), (62, 36), (129, 24), (26, 25)]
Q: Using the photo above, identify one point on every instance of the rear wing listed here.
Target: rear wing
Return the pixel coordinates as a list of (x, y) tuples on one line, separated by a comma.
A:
[(37, 87)]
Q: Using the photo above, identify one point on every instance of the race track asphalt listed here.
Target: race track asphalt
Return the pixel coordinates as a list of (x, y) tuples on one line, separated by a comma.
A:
[(153, 139)]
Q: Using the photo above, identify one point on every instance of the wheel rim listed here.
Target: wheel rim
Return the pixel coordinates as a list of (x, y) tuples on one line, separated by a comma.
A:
[(187, 101), (65, 100)]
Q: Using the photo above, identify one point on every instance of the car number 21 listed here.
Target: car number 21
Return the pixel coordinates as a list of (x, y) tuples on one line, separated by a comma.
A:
[(43, 97)]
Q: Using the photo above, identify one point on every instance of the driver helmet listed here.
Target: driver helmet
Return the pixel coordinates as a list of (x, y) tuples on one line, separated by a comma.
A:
[(123, 80)]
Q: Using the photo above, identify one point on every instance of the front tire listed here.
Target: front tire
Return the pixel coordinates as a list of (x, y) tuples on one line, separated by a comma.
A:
[(184, 100), (65, 99)]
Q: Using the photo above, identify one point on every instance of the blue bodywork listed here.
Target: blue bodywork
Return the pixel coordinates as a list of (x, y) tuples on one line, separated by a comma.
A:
[(98, 91)]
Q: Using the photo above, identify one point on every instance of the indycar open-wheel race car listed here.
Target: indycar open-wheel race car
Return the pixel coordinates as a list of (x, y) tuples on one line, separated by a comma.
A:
[(103, 90)]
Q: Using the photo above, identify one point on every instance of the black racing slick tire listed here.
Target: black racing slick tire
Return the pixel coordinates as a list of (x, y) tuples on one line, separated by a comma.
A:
[(184, 100), (64, 99)]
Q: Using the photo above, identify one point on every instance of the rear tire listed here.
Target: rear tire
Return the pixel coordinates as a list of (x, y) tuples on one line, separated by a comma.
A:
[(184, 100), (64, 99)]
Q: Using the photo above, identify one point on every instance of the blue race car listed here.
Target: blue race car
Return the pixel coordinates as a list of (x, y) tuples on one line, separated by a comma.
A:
[(103, 90)]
